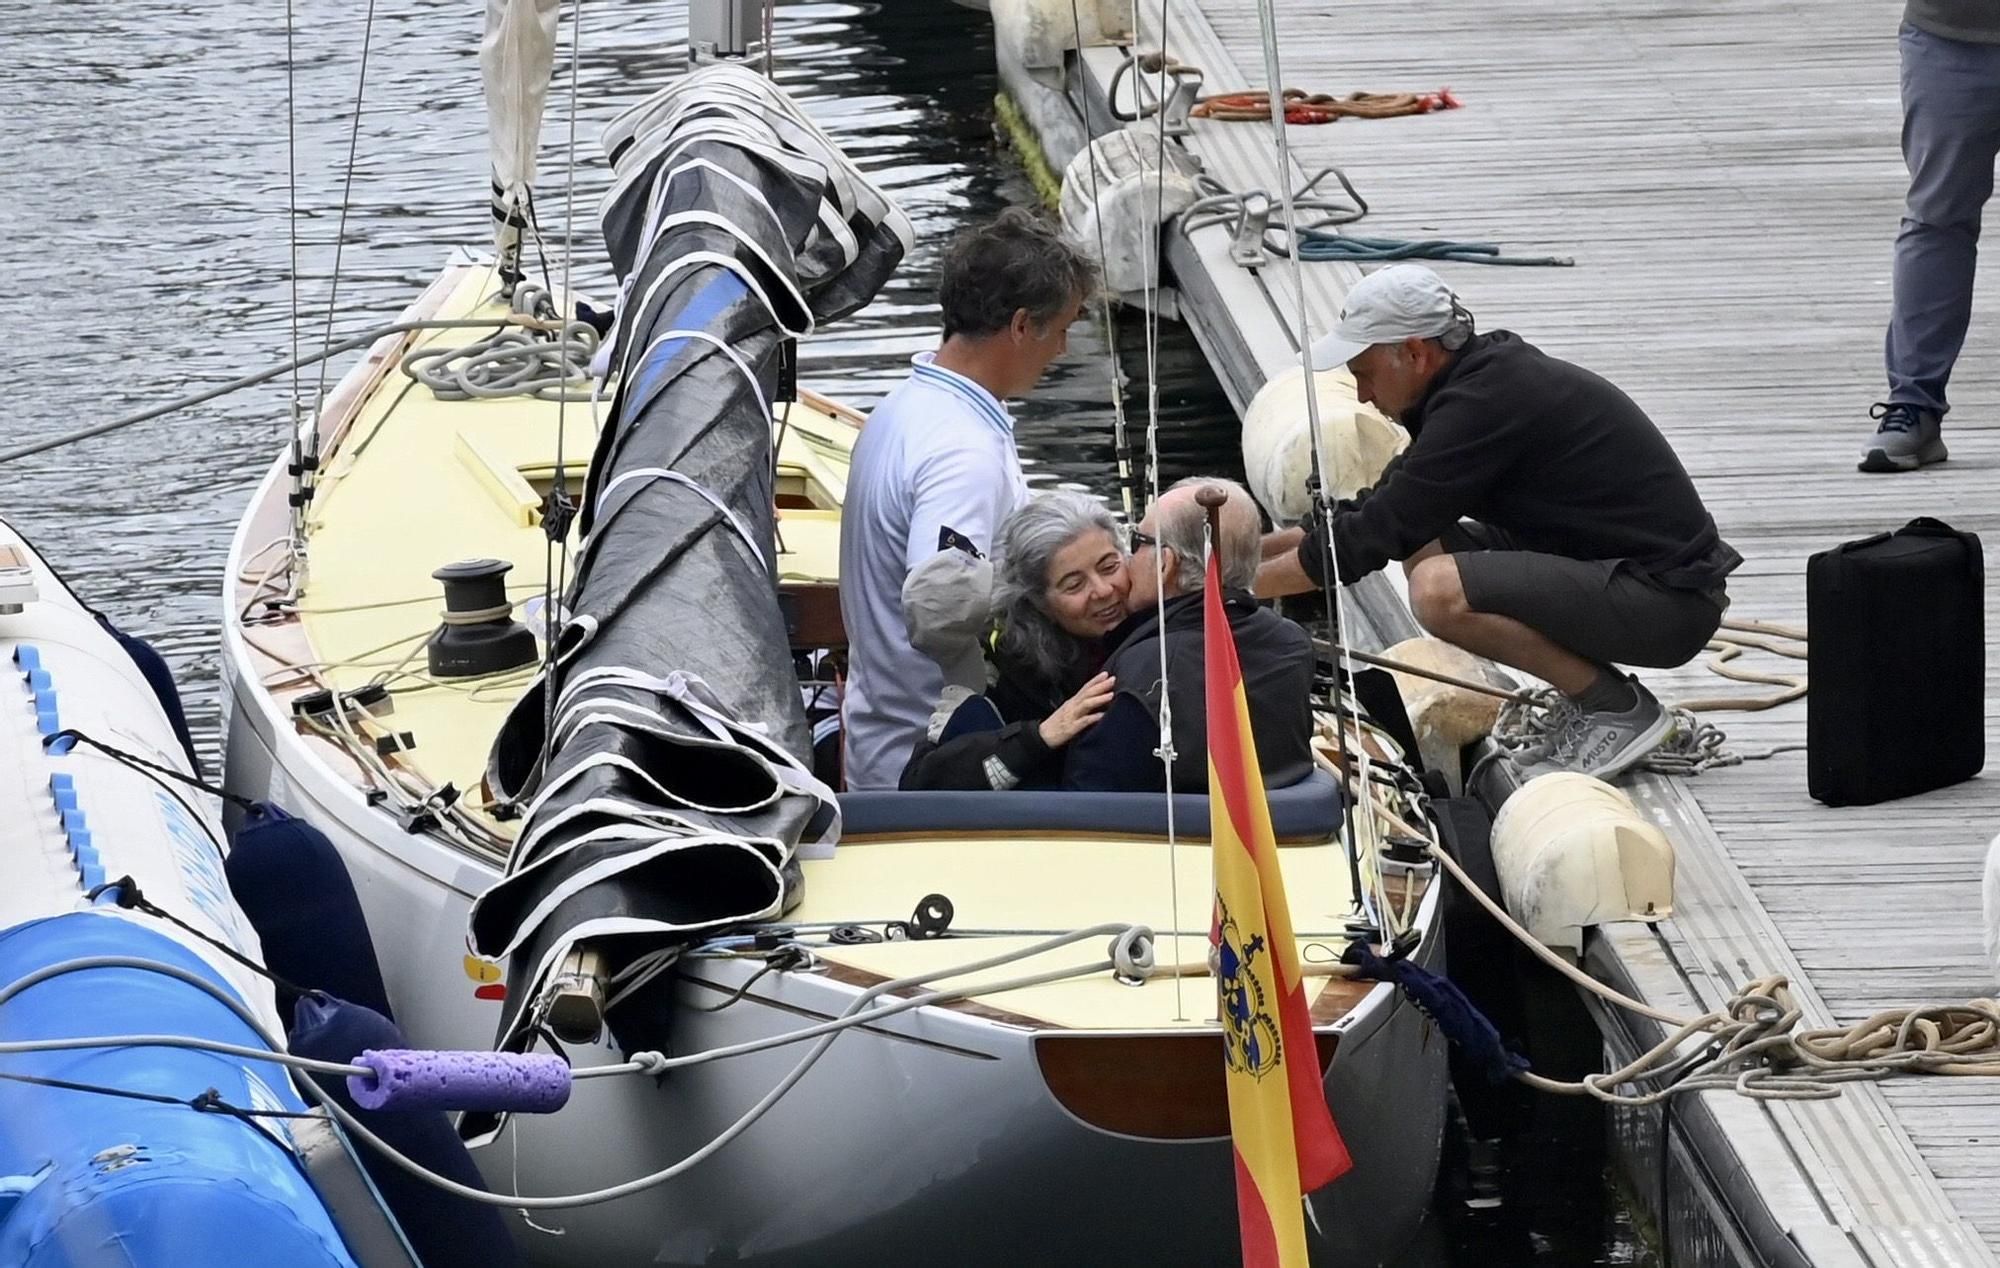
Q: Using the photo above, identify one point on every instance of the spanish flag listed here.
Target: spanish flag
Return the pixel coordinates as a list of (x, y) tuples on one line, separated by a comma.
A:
[(1285, 1142)]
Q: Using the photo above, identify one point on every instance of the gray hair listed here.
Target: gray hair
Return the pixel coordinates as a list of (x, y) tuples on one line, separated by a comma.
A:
[(1027, 544), (1180, 528), (1019, 260)]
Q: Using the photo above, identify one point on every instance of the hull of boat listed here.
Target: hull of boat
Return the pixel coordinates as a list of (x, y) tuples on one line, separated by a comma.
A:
[(930, 1130)]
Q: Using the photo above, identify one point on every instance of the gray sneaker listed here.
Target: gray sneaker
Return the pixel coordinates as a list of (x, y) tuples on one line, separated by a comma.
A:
[(1905, 438), (1605, 744)]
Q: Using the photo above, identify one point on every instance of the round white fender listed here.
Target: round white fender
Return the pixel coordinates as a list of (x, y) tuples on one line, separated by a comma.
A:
[(1443, 715), (1277, 446), (1119, 188), (1035, 34), (1573, 852)]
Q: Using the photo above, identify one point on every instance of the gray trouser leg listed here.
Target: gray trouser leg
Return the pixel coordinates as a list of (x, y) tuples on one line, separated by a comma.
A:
[(1951, 133)]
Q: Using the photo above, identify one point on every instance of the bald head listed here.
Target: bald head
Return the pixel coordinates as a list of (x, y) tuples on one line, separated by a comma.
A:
[(1177, 520)]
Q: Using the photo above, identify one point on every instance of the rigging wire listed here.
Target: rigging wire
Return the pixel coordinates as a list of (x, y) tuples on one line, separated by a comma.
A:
[(1166, 751), (305, 450), (558, 510), (1331, 583), (346, 202), (297, 415), (1118, 435)]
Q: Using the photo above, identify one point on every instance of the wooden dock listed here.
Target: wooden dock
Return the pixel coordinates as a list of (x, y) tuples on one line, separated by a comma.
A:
[(1726, 175)]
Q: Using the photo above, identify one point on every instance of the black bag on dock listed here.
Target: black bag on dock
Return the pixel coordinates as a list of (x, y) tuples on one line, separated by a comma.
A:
[(1896, 665)]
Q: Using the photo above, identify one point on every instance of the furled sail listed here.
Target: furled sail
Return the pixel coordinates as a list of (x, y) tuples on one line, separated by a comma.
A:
[(514, 61), (677, 790)]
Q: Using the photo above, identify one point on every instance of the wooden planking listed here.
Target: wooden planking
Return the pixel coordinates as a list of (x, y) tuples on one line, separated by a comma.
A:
[(1726, 175)]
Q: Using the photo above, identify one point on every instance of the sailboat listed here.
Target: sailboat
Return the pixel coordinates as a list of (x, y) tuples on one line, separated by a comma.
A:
[(567, 762)]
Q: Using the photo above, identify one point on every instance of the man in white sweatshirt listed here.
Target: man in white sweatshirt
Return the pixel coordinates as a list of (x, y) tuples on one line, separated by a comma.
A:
[(936, 467)]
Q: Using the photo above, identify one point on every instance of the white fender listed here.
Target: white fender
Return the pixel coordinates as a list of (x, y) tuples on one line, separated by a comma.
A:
[(1445, 718), (1277, 446), (1116, 187), (1573, 852), (1035, 34)]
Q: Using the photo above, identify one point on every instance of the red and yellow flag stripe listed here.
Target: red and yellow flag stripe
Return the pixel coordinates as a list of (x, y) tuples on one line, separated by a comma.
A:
[(1285, 1141)]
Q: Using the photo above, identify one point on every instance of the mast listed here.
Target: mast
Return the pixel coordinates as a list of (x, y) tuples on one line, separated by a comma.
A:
[(516, 59)]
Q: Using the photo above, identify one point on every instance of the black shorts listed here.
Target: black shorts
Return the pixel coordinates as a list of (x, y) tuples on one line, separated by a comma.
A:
[(1602, 609)]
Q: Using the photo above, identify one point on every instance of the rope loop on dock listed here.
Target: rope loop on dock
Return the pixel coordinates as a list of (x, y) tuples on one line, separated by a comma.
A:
[(1754, 1045)]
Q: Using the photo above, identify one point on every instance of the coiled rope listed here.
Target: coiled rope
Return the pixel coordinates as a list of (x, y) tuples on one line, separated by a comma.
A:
[(1317, 245), (1304, 107), (536, 354), (1755, 1048)]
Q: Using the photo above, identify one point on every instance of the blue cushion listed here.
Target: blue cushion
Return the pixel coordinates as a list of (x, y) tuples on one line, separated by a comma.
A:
[(290, 882), (1305, 811)]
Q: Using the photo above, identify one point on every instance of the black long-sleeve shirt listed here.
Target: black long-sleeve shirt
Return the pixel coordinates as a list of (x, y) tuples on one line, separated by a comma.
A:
[(1558, 458)]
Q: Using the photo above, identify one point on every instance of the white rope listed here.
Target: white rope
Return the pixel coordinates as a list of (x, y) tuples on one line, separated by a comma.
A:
[(857, 1014), (675, 477)]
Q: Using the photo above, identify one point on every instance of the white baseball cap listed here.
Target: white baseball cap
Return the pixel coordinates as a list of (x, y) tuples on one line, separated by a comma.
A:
[(1403, 301)]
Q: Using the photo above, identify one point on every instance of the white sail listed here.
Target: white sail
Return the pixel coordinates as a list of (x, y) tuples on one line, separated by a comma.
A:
[(515, 59)]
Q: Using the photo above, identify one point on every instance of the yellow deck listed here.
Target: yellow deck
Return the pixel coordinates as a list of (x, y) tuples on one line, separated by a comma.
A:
[(1058, 884), (418, 483)]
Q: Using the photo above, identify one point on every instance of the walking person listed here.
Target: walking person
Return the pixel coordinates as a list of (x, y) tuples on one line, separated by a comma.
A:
[(1951, 134)]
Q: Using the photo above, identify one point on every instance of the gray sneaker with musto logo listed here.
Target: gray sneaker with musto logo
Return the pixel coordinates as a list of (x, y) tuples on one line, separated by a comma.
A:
[(1604, 744)]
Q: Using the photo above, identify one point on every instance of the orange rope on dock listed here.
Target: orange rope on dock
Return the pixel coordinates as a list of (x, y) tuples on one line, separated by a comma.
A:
[(1320, 107)]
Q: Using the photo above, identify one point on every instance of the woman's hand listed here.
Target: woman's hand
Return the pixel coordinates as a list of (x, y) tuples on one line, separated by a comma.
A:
[(1080, 712)]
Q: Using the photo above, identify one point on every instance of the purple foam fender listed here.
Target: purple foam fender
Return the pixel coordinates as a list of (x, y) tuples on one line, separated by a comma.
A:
[(489, 1082)]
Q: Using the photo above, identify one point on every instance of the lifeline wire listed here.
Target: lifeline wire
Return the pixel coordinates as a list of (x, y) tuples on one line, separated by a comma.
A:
[(1131, 944), (349, 344)]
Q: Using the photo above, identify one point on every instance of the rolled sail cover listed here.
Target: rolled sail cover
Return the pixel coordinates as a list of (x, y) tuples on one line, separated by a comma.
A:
[(677, 786)]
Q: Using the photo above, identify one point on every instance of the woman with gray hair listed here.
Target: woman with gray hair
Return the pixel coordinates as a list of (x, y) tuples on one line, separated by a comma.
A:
[(1059, 588)]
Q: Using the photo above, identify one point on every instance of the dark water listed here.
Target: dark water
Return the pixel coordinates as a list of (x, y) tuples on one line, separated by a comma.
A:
[(144, 252)]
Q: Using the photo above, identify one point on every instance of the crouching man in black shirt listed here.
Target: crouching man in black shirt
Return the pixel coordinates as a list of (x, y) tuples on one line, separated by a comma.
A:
[(1543, 520)]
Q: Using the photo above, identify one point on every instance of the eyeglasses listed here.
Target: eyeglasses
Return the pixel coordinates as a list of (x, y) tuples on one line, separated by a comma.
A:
[(1135, 539)]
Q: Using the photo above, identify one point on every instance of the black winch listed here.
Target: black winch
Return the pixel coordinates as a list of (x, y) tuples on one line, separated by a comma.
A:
[(479, 634)]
